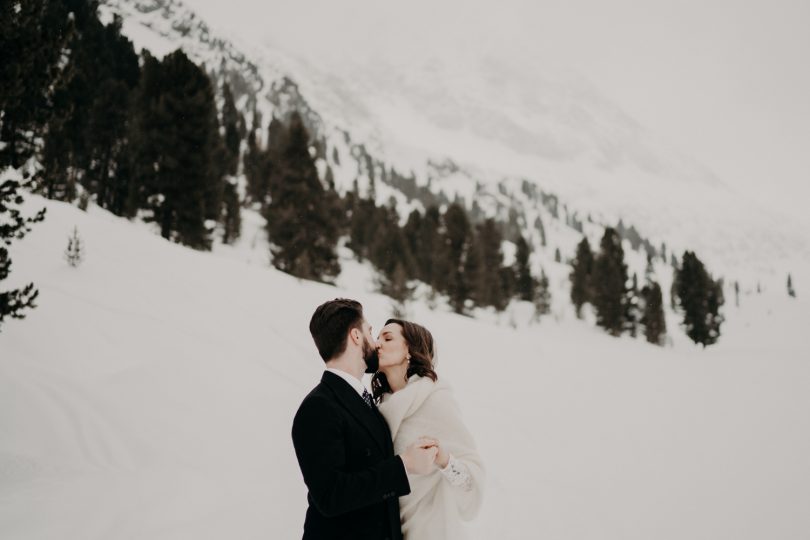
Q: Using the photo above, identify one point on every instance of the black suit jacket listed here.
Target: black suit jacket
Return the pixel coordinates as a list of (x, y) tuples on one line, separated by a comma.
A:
[(347, 458)]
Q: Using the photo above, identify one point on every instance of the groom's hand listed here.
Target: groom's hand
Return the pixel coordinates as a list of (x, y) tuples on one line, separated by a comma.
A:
[(418, 458)]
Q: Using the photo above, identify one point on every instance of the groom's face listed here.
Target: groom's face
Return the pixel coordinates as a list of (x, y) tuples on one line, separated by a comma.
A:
[(370, 350)]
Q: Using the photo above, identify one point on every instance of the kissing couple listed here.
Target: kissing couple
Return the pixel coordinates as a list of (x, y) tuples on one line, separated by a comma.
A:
[(391, 464)]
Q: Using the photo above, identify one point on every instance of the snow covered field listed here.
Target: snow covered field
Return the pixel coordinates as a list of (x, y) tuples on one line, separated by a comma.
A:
[(151, 393)]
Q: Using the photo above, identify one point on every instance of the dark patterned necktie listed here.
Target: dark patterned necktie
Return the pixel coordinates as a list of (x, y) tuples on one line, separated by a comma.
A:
[(367, 399)]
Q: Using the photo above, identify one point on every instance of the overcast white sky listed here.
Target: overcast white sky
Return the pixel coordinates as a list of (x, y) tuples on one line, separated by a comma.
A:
[(726, 81)]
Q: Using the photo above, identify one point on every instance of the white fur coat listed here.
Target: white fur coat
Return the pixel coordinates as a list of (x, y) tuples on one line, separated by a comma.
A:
[(434, 509)]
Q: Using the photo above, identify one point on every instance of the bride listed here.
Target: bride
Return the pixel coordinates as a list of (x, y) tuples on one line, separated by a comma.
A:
[(415, 403)]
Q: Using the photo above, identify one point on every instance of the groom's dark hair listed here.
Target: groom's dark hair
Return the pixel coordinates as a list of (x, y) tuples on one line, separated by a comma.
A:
[(330, 325)]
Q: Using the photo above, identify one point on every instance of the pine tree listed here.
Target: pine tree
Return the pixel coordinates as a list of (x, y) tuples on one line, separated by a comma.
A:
[(508, 283), (391, 254), (111, 82), (411, 232), (231, 215), (581, 270), (557, 255), (14, 226), (489, 287), (538, 224), (608, 283), (33, 37), (253, 167), (673, 289), (715, 301), (182, 186), (653, 319), (389, 249), (74, 254), (299, 221), (432, 257), (790, 290), (525, 283), (700, 298), (457, 243), (737, 293), (542, 296), (271, 167), (86, 135), (396, 287), (230, 121)]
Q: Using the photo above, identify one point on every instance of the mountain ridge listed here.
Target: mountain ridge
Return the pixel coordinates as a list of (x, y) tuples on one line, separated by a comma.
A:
[(742, 237)]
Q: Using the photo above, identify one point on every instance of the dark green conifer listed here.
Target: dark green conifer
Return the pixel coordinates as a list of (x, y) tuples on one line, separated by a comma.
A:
[(231, 214), (14, 302), (74, 253), (33, 37), (581, 270), (652, 318), (182, 184), (433, 253), (484, 269), (525, 283), (457, 234), (254, 167), (608, 283), (230, 121), (699, 298), (299, 220)]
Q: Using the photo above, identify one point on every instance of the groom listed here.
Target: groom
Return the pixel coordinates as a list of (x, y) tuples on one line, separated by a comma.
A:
[(342, 442)]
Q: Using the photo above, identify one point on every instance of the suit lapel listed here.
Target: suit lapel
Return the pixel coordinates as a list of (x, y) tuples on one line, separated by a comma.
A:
[(353, 403)]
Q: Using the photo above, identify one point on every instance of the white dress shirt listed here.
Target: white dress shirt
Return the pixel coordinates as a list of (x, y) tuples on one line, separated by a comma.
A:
[(355, 383)]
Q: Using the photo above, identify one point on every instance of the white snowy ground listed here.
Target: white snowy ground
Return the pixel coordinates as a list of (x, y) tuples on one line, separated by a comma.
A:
[(150, 396)]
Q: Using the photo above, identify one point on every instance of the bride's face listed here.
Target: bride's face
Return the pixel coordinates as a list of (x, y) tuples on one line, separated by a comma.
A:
[(392, 347)]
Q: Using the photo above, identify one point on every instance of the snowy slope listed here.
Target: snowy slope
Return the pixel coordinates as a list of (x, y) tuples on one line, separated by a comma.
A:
[(150, 395)]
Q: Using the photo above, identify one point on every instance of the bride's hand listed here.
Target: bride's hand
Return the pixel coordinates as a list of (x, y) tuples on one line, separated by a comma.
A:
[(442, 456)]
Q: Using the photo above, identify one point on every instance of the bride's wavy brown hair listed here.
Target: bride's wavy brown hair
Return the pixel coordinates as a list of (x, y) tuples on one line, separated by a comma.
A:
[(422, 351)]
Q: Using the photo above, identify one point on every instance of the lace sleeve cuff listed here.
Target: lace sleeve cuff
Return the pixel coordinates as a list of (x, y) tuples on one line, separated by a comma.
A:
[(457, 474)]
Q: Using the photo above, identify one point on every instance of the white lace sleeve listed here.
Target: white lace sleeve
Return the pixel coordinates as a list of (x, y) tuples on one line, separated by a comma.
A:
[(457, 474)]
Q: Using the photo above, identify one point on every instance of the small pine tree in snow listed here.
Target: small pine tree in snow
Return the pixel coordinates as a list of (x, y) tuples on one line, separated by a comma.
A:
[(791, 291), (74, 254)]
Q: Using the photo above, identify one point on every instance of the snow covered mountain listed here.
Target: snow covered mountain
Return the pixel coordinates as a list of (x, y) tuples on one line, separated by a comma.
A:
[(476, 128)]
